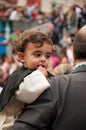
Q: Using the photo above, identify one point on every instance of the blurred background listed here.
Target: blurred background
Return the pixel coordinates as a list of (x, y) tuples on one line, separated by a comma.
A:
[(45, 5), (59, 19)]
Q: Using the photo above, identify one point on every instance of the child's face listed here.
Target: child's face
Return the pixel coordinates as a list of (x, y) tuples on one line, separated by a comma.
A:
[(34, 56)]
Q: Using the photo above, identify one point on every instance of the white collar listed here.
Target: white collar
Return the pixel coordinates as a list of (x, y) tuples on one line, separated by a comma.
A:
[(79, 64)]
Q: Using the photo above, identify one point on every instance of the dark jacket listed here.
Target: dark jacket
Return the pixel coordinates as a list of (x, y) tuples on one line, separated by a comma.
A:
[(60, 107), (12, 84)]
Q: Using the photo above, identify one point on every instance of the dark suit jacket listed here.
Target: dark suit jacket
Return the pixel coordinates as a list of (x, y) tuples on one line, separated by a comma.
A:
[(60, 107), (12, 84)]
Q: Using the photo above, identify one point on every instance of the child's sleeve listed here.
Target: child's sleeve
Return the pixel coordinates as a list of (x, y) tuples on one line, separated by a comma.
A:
[(32, 87)]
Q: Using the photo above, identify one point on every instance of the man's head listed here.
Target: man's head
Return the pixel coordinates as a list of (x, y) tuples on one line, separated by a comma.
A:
[(79, 45), (33, 49)]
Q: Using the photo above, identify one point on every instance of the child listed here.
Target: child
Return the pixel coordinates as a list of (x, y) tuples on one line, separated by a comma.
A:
[(33, 50)]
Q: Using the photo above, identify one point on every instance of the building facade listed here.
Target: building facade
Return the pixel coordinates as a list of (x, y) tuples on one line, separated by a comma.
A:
[(47, 5)]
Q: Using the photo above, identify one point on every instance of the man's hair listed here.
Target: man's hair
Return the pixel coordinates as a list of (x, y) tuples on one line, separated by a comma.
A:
[(35, 37), (79, 45)]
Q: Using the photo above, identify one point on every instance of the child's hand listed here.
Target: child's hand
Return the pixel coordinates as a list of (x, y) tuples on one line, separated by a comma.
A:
[(43, 70)]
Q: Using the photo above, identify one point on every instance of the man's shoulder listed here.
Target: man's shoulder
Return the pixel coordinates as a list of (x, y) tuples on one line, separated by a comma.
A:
[(59, 84), (60, 79)]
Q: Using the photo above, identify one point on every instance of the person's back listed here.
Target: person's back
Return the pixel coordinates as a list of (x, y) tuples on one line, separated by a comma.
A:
[(71, 112)]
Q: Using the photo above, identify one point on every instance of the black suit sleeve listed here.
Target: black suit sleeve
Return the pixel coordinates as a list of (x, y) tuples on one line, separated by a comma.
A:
[(36, 116), (42, 113)]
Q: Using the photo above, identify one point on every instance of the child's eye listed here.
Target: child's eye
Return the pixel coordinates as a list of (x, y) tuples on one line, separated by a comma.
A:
[(37, 55), (47, 56)]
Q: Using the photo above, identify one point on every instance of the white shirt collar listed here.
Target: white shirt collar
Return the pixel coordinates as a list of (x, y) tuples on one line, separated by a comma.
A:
[(79, 64)]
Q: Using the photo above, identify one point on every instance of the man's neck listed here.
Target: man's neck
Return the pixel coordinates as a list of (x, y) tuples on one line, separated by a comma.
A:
[(79, 61)]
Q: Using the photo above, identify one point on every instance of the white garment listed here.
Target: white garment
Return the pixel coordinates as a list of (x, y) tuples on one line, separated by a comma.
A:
[(30, 10), (15, 15), (1, 89), (32, 86), (70, 55)]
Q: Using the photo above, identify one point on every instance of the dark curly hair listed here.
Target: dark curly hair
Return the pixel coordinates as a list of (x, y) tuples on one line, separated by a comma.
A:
[(28, 36)]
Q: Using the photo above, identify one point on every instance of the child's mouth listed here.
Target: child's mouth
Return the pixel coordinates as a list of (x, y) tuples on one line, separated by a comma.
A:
[(41, 65)]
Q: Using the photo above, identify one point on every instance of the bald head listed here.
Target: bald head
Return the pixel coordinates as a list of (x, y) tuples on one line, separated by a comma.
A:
[(82, 31), (79, 46)]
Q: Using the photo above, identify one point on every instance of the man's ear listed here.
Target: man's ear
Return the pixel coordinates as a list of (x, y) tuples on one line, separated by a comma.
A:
[(20, 56)]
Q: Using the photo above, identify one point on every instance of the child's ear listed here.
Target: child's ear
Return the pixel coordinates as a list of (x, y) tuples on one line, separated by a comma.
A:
[(20, 56)]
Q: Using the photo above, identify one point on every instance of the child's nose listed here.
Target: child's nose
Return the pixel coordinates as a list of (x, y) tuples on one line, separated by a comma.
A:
[(43, 58)]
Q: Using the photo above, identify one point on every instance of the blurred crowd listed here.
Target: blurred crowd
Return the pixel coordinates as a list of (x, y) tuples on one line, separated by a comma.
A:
[(62, 29)]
